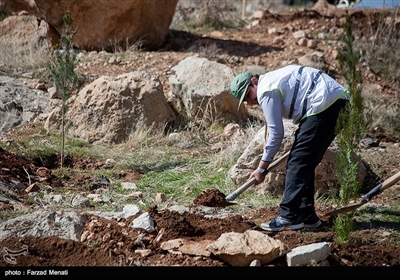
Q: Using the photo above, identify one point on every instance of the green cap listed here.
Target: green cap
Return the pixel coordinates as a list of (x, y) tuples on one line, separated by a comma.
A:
[(240, 84)]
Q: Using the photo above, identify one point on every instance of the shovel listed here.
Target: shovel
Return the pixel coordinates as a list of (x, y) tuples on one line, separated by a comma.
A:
[(232, 196), (376, 190)]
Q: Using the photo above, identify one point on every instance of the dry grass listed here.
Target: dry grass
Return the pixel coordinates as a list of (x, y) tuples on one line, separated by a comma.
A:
[(127, 46), (381, 55), (383, 114), (142, 137), (30, 57), (212, 15)]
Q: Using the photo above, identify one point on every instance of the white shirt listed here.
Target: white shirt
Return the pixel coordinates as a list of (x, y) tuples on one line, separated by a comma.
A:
[(276, 94)]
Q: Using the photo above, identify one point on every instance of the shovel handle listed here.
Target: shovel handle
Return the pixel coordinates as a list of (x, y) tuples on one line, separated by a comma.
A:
[(379, 188), (376, 190), (232, 196), (238, 191)]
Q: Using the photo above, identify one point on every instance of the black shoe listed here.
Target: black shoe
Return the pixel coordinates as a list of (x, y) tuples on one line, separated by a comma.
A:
[(312, 221), (280, 223)]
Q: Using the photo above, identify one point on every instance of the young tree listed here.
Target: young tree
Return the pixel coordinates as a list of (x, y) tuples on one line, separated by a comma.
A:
[(352, 126), (62, 68)]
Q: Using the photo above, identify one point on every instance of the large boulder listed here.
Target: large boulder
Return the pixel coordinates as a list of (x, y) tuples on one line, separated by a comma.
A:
[(200, 90), (103, 24), (23, 34), (240, 249), (21, 104), (113, 108)]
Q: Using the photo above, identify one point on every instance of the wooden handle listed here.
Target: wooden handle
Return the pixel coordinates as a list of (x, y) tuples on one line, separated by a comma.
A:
[(379, 188), (232, 196), (390, 181), (278, 162)]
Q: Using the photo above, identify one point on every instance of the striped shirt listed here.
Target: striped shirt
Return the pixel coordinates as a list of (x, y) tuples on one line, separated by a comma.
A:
[(294, 92)]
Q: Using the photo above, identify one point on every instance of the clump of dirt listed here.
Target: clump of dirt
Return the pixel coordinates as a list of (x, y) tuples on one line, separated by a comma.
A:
[(15, 167), (211, 198)]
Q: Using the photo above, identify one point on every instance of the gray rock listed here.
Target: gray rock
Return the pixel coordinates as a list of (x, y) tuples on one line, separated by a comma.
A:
[(308, 254), (42, 223)]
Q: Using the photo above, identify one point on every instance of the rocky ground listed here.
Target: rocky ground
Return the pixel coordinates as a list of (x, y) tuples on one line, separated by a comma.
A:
[(374, 245)]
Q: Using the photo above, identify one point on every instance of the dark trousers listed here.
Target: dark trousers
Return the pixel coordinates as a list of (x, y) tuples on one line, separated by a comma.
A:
[(312, 139)]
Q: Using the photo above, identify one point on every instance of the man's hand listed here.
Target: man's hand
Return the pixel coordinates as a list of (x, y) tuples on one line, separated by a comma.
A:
[(258, 175), (260, 172)]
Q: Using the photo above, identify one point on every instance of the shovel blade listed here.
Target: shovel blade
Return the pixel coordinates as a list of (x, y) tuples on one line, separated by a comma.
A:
[(346, 209), (231, 202), (225, 203)]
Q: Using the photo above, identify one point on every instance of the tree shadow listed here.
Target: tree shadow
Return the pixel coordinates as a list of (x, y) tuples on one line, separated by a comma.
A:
[(387, 218), (182, 41)]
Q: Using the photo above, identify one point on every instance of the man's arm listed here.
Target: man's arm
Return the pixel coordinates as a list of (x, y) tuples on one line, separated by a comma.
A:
[(272, 108)]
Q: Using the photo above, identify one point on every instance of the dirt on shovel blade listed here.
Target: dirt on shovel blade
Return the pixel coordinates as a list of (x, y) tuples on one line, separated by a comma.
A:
[(211, 198)]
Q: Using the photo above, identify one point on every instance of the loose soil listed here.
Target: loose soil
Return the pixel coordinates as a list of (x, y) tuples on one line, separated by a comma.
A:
[(212, 198), (371, 246)]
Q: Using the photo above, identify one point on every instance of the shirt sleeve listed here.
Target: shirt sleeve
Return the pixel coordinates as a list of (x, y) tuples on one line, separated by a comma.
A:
[(271, 105)]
